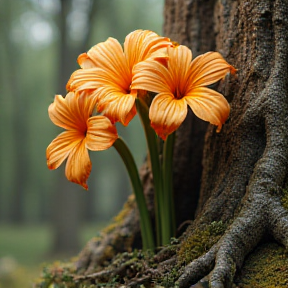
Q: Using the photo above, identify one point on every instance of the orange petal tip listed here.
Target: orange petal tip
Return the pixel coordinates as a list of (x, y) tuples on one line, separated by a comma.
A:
[(233, 70)]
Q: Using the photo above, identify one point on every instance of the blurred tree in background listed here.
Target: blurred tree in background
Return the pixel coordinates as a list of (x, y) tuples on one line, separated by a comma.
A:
[(39, 44)]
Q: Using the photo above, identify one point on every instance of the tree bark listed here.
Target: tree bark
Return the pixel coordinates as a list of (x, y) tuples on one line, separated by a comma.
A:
[(241, 196), (245, 166)]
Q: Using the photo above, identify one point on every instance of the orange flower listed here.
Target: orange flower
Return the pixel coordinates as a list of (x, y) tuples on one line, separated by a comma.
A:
[(182, 83), (83, 132), (107, 72)]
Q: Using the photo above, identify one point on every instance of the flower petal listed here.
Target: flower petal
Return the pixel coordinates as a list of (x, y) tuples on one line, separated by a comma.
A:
[(101, 133), (107, 56), (153, 76), (91, 79), (207, 69), (179, 62), (105, 77), (78, 166), (60, 148), (209, 105), (167, 113), (60, 113), (85, 62), (117, 105), (81, 106), (82, 79), (72, 111), (143, 44)]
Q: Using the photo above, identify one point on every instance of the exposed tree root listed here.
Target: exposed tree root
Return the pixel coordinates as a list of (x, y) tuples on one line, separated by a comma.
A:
[(243, 235)]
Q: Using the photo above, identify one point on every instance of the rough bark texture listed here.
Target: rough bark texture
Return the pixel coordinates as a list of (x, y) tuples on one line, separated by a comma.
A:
[(245, 166), (241, 198)]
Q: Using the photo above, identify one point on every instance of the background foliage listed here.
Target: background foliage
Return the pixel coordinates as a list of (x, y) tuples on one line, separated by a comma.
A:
[(39, 44)]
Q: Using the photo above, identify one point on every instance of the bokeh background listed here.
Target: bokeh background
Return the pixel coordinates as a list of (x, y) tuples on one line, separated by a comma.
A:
[(42, 215)]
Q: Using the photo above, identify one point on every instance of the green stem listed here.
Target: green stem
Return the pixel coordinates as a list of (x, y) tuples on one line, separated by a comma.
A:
[(151, 138), (145, 221), (168, 204)]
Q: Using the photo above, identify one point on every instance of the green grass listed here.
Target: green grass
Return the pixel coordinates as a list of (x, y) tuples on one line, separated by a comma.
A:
[(26, 244), (24, 249)]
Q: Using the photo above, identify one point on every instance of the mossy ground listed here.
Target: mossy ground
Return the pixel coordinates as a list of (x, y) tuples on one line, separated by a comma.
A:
[(194, 245), (200, 241), (284, 198), (126, 266), (266, 267), (123, 267)]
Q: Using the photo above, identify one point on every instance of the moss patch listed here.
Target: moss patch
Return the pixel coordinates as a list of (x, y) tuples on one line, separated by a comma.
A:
[(118, 219), (200, 241), (58, 275), (195, 245), (123, 267), (284, 198), (266, 267)]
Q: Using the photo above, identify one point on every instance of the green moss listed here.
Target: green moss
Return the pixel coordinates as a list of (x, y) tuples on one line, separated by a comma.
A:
[(200, 241), (266, 267), (169, 279), (124, 265), (196, 244), (118, 219), (57, 275), (284, 198)]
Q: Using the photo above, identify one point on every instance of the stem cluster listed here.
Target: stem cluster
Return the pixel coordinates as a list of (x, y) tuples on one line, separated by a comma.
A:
[(161, 164)]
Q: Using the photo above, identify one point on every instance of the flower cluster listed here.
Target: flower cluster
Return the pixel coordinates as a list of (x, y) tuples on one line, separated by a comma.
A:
[(109, 79), (111, 86)]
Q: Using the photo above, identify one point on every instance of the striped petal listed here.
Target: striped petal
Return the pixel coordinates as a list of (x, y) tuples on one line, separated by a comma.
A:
[(143, 44), (101, 133), (209, 105), (152, 76), (81, 107), (107, 56), (179, 62), (72, 111), (60, 113), (82, 79), (78, 166), (207, 69), (61, 147), (85, 61), (117, 105), (167, 113), (91, 79)]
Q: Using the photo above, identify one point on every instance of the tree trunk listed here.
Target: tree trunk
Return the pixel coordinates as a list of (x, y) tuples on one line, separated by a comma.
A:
[(245, 166), (241, 198)]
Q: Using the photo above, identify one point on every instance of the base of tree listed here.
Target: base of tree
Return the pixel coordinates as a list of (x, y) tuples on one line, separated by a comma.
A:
[(267, 267)]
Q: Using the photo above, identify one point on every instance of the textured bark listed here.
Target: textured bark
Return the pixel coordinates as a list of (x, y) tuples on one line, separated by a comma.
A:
[(245, 165)]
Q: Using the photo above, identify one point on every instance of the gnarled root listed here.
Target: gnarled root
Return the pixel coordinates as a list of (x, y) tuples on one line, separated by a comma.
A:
[(262, 213)]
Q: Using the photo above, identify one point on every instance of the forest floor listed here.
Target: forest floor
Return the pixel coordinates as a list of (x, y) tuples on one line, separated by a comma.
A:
[(24, 250)]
